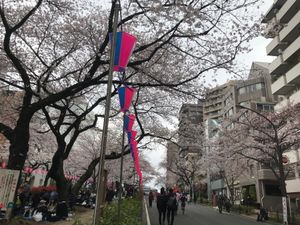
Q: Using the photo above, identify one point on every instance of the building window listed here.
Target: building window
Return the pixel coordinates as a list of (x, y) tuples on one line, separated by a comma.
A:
[(262, 107), (272, 189), (259, 107), (250, 88)]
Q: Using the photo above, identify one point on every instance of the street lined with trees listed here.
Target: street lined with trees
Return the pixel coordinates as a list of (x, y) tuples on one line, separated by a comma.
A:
[(55, 54)]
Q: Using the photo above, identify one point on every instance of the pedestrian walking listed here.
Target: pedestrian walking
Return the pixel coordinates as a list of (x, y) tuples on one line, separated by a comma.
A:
[(227, 203), (263, 214), (162, 206), (171, 206), (220, 202), (151, 198), (183, 200)]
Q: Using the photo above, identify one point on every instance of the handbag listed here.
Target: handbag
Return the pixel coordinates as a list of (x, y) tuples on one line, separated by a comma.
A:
[(37, 216)]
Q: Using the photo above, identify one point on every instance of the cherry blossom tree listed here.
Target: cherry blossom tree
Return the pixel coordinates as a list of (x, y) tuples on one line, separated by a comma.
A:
[(188, 169), (56, 49), (41, 147), (264, 137), (87, 151), (223, 160), (41, 141)]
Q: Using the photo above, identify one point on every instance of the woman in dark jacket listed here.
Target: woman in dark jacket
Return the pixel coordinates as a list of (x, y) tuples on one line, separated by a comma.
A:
[(162, 205), (151, 198), (171, 206)]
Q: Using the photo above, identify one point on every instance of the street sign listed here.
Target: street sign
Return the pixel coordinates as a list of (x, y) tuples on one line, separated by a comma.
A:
[(8, 184), (285, 213), (285, 160)]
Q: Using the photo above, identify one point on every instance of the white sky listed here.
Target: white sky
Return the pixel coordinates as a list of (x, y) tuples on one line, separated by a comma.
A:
[(258, 53)]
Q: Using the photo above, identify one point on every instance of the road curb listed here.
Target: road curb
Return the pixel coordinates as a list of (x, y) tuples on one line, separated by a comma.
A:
[(147, 213)]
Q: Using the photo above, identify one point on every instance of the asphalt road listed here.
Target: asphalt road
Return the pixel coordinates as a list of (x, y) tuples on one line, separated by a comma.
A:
[(202, 215)]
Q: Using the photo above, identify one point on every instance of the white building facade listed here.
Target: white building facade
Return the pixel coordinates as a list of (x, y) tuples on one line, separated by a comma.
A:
[(283, 26)]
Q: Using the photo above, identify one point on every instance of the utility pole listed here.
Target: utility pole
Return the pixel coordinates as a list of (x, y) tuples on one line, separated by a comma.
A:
[(100, 180), (121, 173)]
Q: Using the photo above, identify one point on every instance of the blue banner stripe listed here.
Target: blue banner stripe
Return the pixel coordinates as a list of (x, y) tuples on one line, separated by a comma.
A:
[(118, 48)]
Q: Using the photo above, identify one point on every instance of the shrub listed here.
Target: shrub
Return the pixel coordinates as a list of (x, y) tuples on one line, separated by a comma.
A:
[(131, 212), (243, 209)]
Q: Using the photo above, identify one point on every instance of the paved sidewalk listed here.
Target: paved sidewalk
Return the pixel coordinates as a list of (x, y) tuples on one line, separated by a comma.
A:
[(204, 215)]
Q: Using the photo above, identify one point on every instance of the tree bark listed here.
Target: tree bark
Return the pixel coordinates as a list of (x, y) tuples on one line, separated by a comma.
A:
[(88, 173), (56, 172), (19, 145)]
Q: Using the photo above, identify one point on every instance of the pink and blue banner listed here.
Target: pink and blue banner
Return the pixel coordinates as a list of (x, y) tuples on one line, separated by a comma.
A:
[(131, 136), (128, 122), (136, 159), (125, 97), (124, 48), (133, 147)]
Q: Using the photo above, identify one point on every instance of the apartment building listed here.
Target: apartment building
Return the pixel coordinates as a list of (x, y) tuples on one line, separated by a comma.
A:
[(255, 93), (190, 128), (282, 26), (213, 104), (172, 156)]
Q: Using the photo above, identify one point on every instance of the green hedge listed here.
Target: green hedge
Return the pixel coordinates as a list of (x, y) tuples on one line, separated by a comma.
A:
[(131, 213), (242, 209)]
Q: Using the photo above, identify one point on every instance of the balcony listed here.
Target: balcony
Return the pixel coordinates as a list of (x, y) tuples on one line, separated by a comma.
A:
[(288, 10), (266, 174), (217, 184), (293, 186), (293, 76), (274, 46), (271, 12), (280, 86), (279, 65), (287, 35), (291, 31)]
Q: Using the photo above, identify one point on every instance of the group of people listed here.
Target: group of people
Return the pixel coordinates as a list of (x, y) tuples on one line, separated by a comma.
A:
[(223, 202), (44, 205), (167, 204), (40, 205)]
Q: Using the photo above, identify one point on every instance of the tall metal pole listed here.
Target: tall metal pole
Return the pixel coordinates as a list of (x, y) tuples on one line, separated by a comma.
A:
[(121, 174), (100, 180)]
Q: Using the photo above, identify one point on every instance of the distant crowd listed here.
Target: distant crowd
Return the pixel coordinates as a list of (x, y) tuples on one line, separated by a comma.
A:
[(168, 203)]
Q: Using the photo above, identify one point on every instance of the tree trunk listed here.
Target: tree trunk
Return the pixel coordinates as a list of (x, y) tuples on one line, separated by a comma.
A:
[(19, 146), (281, 176), (88, 173), (56, 172)]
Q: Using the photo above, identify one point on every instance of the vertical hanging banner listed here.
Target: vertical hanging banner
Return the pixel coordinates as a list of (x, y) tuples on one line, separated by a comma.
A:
[(131, 136), (128, 122), (125, 97), (124, 48), (136, 159), (133, 147)]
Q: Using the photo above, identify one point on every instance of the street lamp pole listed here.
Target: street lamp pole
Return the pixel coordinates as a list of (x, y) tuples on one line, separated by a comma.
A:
[(100, 180)]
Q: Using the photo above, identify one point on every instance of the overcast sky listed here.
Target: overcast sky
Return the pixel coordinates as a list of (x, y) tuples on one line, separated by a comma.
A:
[(258, 53)]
